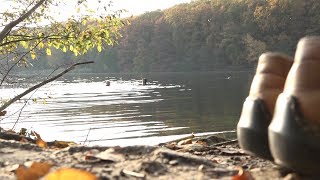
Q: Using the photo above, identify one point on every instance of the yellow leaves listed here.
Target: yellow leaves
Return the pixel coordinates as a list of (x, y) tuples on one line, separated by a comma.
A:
[(78, 35), (41, 45), (64, 49), (36, 171), (70, 173), (75, 52), (84, 22), (33, 54), (99, 47), (24, 44), (40, 34), (41, 143), (48, 51)]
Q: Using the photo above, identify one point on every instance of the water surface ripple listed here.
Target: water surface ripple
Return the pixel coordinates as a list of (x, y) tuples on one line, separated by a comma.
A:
[(127, 113)]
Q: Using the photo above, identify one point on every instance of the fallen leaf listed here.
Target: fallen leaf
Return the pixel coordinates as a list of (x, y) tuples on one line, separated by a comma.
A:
[(231, 152), (23, 140), (2, 113), (70, 173), (23, 132), (63, 144), (36, 171), (242, 175), (184, 142), (36, 134), (193, 147), (202, 143), (110, 155), (41, 143), (172, 146), (11, 131)]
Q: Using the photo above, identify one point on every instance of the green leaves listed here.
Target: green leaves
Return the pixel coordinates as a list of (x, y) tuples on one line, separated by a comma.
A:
[(95, 29)]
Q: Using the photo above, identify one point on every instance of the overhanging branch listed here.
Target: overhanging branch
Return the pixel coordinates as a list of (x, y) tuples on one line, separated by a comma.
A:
[(12, 24), (5, 105)]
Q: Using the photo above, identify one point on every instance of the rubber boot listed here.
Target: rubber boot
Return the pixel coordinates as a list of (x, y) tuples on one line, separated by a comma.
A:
[(257, 111), (294, 134)]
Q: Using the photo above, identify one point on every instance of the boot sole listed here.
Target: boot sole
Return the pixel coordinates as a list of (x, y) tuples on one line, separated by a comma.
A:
[(294, 143), (252, 129)]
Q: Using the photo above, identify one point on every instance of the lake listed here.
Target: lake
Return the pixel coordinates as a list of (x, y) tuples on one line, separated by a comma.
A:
[(81, 108)]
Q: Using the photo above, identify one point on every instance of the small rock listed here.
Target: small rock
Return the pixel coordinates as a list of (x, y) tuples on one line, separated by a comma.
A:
[(201, 167), (246, 166), (236, 158), (292, 176), (12, 168), (173, 162), (165, 161), (2, 164), (154, 167), (197, 153), (255, 170)]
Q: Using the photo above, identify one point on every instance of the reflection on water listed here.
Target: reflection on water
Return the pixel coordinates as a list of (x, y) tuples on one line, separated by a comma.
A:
[(82, 107)]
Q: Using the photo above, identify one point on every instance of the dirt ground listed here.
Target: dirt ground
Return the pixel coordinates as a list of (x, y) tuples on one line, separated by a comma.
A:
[(198, 158)]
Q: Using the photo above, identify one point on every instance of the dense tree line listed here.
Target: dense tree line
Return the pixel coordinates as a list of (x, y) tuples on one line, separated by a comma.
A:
[(209, 35)]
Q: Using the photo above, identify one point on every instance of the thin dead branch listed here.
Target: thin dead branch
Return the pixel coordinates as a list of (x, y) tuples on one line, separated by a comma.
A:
[(5, 105)]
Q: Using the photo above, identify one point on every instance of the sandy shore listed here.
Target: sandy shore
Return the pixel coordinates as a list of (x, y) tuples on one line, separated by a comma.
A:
[(198, 158)]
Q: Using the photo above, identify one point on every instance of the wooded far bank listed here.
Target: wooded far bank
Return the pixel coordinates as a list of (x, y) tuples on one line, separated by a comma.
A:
[(205, 35)]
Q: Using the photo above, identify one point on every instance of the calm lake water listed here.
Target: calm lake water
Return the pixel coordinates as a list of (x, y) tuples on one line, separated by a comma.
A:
[(82, 108)]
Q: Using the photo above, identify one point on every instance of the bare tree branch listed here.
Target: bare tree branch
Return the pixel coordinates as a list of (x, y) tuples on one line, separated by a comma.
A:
[(12, 24), (52, 37), (5, 105), (25, 103)]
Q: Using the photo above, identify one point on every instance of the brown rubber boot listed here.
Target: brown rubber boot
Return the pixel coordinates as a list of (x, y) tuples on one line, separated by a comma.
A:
[(267, 84), (294, 134)]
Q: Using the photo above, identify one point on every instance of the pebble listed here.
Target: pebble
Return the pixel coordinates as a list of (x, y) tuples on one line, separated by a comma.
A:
[(201, 167), (173, 162)]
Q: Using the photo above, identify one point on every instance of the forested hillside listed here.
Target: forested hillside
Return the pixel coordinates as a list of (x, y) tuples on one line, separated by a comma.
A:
[(209, 35)]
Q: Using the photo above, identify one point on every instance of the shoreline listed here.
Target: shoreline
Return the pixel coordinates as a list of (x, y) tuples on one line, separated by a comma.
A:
[(209, 157)]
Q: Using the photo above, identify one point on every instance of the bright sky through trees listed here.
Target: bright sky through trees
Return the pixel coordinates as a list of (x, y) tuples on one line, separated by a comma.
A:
[(135, 7)]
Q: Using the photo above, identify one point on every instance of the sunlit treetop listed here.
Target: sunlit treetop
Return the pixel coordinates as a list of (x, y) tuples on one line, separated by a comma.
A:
[(34, 26)]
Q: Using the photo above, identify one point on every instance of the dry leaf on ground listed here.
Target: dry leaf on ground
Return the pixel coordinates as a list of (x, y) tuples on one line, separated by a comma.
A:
[(23, 140), (36, 171), (2, 113), (70, 173), (202, 143), (184, 142), (41, 143), (108, 155), (242, 175), (63, 144)]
